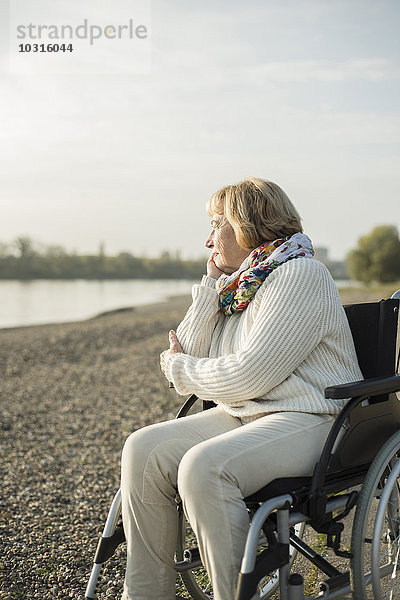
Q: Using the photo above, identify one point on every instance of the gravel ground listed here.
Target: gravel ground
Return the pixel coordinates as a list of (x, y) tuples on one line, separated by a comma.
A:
[(70, 396)]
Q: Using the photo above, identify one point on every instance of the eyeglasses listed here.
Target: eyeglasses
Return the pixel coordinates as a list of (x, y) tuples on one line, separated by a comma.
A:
[(218, 224)]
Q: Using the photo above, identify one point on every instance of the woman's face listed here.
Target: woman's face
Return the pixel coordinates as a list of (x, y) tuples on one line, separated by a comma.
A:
[(227, 254)]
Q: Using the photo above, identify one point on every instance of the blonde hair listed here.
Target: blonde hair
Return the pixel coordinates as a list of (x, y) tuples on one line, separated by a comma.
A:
[(258, 210)]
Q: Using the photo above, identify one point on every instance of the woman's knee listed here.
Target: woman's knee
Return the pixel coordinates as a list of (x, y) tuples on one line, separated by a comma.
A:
[(138, 447), (195, 471)]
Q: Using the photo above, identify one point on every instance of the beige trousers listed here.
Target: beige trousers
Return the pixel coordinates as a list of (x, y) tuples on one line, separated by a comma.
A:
[(215, 462)]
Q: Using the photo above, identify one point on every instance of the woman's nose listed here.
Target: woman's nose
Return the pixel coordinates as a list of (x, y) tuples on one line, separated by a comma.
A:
[(210, 240)]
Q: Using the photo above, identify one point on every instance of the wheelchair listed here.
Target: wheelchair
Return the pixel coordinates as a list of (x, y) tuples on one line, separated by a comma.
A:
[(357, 479)]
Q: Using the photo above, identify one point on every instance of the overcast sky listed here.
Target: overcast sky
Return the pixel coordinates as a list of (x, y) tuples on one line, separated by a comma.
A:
[(303, 93)]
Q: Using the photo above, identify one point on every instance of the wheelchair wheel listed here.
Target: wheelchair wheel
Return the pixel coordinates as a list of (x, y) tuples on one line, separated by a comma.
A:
[(197, 582), (375, 545)]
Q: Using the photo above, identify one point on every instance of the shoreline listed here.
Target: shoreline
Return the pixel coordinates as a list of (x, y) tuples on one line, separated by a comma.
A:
[(180, 301)]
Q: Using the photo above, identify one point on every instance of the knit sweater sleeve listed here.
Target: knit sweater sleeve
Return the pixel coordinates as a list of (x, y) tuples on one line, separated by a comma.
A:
[(287, 327), (196, 330)]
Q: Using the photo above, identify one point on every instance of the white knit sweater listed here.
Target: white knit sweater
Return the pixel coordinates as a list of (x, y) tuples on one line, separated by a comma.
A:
[(279, 354)]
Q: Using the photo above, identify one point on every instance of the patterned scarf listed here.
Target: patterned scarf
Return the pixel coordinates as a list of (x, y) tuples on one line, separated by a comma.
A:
[(237, 290)]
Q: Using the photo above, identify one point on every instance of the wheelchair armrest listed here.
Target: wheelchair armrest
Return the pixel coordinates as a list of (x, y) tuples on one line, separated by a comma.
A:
[(375, 386)]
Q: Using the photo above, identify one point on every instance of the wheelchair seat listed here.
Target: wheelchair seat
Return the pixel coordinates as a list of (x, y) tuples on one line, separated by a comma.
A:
[(277, 487)]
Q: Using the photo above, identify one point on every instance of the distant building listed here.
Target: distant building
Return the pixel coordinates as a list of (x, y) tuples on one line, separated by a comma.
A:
[(321, 253), (337, 268)]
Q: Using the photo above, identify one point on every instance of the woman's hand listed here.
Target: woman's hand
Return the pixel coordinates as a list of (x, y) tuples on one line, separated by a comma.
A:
[(174, 348), (212, 269)]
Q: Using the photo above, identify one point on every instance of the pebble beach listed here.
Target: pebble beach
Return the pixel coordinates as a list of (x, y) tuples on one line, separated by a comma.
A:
[(70, 395)]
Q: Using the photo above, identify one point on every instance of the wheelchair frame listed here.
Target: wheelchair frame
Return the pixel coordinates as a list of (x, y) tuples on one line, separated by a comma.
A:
[(373, 413)]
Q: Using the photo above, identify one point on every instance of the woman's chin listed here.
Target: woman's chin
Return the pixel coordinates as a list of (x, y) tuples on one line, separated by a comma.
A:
[(222, 266), (226, 270), (219, 265)]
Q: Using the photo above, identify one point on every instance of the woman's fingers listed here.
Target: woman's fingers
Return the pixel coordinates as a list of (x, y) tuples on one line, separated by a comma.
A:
[(212, 269), (174, 345), (174, 348)]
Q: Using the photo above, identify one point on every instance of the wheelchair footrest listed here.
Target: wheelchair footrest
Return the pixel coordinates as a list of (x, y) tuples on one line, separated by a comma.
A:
[(268, 561), (335, 582), (191, 560), (107, 545)]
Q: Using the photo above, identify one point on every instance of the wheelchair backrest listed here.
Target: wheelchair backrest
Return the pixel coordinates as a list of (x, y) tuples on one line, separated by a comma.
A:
[(374, 329)]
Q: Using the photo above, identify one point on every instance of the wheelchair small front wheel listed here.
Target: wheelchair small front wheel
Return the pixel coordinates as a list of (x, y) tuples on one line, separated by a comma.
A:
[(375, 544), (197, 582)]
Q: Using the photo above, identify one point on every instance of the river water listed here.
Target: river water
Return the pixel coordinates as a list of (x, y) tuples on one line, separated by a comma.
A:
[(57, 301)]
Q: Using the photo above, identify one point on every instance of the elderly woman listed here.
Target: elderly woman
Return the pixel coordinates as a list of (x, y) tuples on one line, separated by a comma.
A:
[(265, 334)]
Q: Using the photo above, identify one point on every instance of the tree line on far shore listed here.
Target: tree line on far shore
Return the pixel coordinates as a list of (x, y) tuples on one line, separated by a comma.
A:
[(375, 259), (22, 260)]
